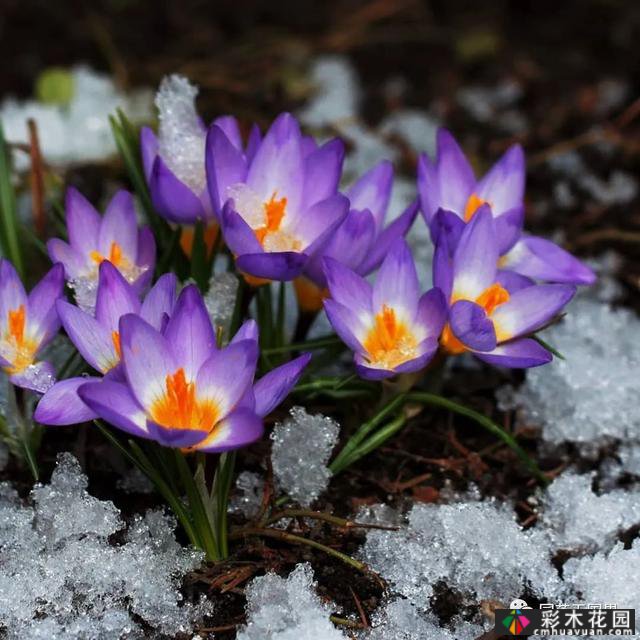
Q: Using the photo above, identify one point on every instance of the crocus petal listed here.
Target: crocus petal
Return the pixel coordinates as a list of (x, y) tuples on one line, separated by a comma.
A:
[(114, 403), (225, 166), (322, 171), (189, 331), (238, 429), (530, 308), (247, 331), (513, 281), (62, 253), (148, 150), (274, 387), (518, 354), (286, 265), (93, 340), (159, 302), (278, 163), (238, 235), (426, 350), (83, 222), (115, 297), (476, 256), (38, 377), (397, 283), (119, 226), (397, 229), (346, 324), (146, 251), (253, 143), (509, 228), (541, 259), (372, 191), (42, 315), (12, 293), (503, 185), (432, 312), (176, 438), (225, 376), (147, 358), (471, 325), (449, 224), (172, 198), (61, 404), (348, 288), (366, 371), (314, 228), (442, 266), (229, 125)]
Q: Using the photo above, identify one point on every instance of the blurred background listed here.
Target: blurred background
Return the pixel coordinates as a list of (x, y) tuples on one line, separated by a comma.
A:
[(562, 78)]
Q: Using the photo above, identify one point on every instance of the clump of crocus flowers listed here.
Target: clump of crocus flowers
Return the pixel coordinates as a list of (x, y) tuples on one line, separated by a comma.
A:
[(152, 364)]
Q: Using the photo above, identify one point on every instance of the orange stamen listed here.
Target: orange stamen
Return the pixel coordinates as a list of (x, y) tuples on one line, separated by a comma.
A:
[(21, 347), (492, 297), (187, 236), (450, 342), (115, 338), (179, 408), (115, 256), (389, 342), (310, 296), (16, 324), (473, 204), (274, 211)]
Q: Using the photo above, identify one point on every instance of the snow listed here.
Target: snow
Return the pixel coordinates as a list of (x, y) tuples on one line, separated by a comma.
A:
[(181, 135), (601, 347), (287, 609), (220, 300), (247, 497), (79, 131), (62, 578), (301, 449)]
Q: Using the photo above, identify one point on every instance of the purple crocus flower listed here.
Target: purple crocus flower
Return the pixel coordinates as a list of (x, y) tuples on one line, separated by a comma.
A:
[(390, 328), (489, 316), (27, 325), (97, 338), (181, 390), (282, 206), (450, 196), (93, 238), (362, 241)]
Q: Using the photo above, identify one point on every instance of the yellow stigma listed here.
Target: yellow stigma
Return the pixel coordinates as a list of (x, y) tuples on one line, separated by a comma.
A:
[(116, 257), (473, 204), (389, 342), (20, 350), (179, 407)]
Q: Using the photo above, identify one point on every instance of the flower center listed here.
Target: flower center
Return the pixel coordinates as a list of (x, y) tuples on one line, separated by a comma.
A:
[(116, 257), (473, 204), (389, 343), (180, 408), (492, 297), (17, 348), (115, 338)]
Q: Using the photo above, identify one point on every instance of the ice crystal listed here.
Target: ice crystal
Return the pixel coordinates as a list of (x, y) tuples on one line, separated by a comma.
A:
[(61, 578), (220, 300), (302, 446), (287, 609), (181, 134), (248, 494)]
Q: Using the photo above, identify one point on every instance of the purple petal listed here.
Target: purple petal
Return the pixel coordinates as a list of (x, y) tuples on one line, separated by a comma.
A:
[(348, 288), (513, 281), (397, 283), (346, 324), (519, 354), (275, 386), (432, 312), (225, 376), (238, 235), (148, 150), (503, 186), (225, 166), (83, 222), (61, 404), (12, 293), (114, 403), (115, 297), (272, 266), (530, 308), (189, 332), (449, 224), (146, 251), (229, 125), (253, 143), (443, 267), (119, 226), (372, 191), (315, 227), (176, 438), (397, 229), (322, 170), (38, 377), (471, 325), (42, 316), (476, 257), (172, 198), (247, 331), (426, 350), (364, 370), (238, 429), (147, 358), (509, 228), (541, 259), (62, 253), (93, 340), (159, 302)]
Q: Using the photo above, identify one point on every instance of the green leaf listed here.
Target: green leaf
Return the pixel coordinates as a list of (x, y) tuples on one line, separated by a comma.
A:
[(221, 489), (200, 270), (9, 240), (548, 347)]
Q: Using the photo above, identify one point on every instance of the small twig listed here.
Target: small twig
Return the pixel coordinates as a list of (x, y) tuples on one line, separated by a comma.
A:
[(361, 612), (37, 177), (326, 517)]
